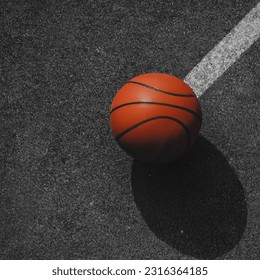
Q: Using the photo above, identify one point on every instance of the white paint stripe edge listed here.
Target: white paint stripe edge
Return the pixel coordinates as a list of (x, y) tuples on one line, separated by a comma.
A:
[(223, 55)]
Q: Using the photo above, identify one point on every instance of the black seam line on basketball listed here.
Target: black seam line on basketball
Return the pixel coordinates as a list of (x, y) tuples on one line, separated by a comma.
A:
[(160, 90), (153, 119), (158, 103)]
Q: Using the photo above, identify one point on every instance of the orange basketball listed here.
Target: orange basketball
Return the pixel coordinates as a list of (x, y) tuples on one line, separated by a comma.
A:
[(155, 117)]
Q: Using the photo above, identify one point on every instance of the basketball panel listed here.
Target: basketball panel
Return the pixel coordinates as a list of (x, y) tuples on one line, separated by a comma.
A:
[(148, 141), (164, 82), (127, 116), (135, 93)]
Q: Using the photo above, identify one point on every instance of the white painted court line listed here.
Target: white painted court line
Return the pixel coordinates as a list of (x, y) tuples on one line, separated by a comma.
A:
[(223, 55)]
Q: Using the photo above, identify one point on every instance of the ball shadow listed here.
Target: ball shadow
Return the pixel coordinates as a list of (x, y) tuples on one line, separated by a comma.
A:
[(196, 204)]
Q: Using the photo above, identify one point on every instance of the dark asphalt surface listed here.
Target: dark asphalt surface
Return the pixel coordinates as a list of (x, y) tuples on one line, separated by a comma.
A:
[(67, 191)]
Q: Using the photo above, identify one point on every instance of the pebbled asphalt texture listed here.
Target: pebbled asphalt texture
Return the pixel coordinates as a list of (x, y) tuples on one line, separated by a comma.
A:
[(67, 191)]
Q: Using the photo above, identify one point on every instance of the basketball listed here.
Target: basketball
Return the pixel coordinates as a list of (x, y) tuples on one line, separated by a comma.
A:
[(155, 117)]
